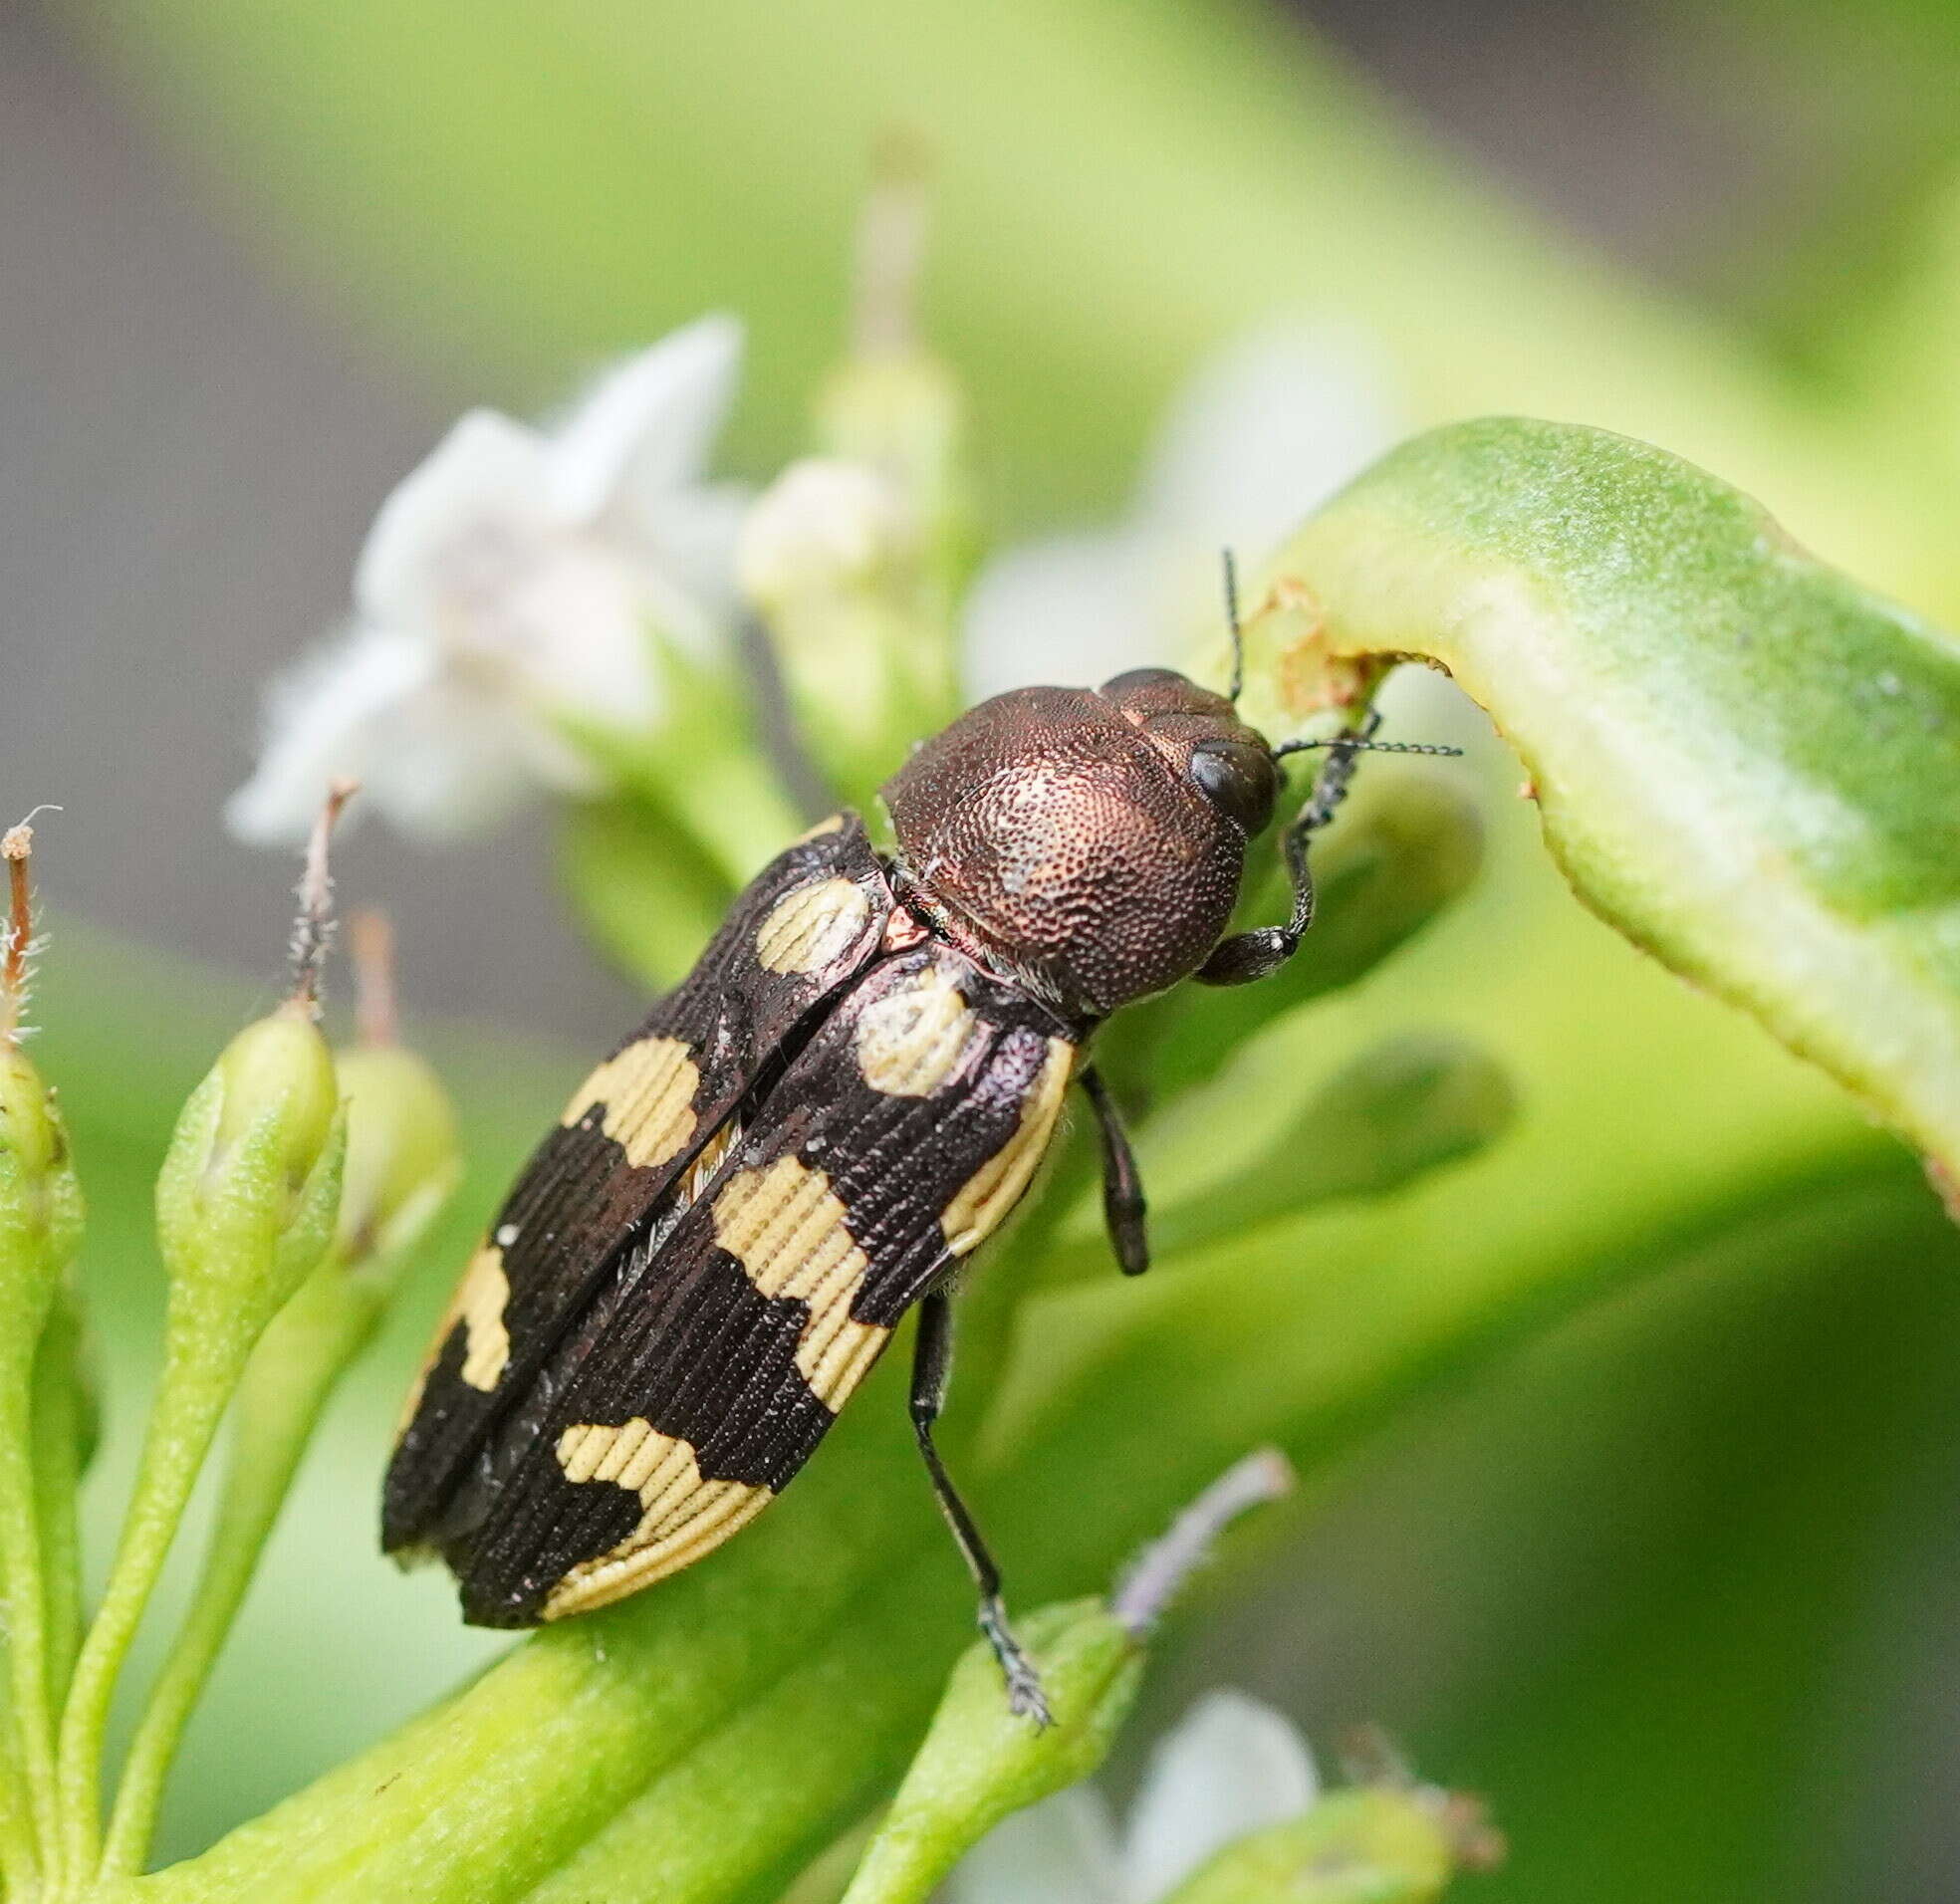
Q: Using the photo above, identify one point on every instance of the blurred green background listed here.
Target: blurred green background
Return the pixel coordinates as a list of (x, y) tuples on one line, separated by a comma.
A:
[(1667, 1573)]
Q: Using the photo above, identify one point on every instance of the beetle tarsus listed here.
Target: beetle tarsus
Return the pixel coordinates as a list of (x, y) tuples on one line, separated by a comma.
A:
[(1025, 1697)]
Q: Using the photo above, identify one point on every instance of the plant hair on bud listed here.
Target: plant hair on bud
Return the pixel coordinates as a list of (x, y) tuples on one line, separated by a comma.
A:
[(1158, 1575), (22, 947), (313, 928)]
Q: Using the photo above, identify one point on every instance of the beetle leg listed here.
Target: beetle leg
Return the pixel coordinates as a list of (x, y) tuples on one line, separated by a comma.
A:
[(1122, 1188), (785, 742), (933, 1361), (1259, 953)]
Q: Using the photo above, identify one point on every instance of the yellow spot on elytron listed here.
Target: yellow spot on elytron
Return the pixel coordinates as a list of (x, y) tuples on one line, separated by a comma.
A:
[(994, 1189), (910, 1040), (835, 1353), (788, 1229), (833, 825), (478, 1303), (810, 925), (646, 1096), (683, 1515)]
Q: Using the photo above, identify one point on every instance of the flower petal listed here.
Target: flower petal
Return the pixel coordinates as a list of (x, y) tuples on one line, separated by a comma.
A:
[(440, 756), (571, 628), (321, 722), (483, 484), (456, 761), (644, 428), (1231, 1765), (1263, 432), (1061, 1851), (1072, 610)]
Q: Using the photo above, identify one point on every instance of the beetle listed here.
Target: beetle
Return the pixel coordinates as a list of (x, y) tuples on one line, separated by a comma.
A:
[(825, 1121)]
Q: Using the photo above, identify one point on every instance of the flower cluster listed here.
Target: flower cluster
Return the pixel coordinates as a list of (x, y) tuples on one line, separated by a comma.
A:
[(534, 607)]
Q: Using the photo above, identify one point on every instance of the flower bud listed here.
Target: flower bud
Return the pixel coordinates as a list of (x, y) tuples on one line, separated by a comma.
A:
[(824, 527), (981, 1761), (403, 1158), (892, 404), (1368, 1844), (280, 1088), (829, 556), (250, 1187), (41, 1212)]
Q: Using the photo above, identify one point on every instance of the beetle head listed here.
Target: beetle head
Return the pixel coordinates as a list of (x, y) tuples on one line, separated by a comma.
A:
[(1088, 842)]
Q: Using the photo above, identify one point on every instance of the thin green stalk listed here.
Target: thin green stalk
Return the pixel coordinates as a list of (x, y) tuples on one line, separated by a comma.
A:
[(26, 1626), (274, 1421), (19, 1866), (182, 1424), (40, 1228), (60, 1431)]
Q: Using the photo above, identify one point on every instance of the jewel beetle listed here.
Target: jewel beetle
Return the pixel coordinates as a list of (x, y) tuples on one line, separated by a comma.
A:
[(817, 1128)]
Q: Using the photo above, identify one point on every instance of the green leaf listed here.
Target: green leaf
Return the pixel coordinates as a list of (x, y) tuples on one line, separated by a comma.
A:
[(1744, 760)]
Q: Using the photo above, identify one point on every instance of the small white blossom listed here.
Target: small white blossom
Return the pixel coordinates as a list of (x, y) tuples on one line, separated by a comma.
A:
[(515, 581), (1263, 434), (823, 524), (1231, 1766)]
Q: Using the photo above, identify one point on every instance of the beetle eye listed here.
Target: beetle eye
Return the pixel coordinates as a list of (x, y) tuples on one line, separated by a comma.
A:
[(1241, 782)]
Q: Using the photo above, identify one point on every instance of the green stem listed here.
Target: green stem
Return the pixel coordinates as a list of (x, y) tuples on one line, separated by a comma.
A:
[(189, 1404), (59, 1432), (19, 1867), (274, 1420), (27, 1629)]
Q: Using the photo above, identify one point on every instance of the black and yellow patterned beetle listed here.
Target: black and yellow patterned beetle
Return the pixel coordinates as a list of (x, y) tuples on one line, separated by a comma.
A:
[(839, 1106)]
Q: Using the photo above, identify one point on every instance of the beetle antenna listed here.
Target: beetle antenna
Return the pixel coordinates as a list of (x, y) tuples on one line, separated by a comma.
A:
[(1355, 743), (1232, 623)]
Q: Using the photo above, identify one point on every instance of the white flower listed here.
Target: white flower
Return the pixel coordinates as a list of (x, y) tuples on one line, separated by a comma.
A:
[(1263, 434), (517, 577), (1230, 1767)]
